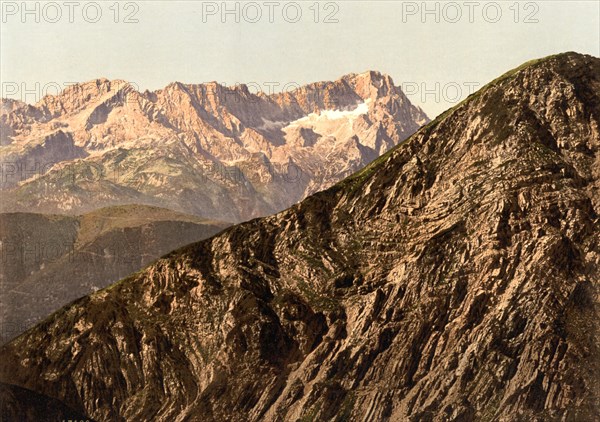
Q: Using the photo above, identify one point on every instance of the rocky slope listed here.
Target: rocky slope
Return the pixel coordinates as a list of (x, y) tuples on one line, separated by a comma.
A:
[(208, 150), (454, 279), (50, 260)]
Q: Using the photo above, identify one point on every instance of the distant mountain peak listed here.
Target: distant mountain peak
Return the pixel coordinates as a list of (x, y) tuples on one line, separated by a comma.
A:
[(77, 97), (370, 84), (371, 76)]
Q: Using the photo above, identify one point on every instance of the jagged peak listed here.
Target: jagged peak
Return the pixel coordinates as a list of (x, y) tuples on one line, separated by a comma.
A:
[(374, 77), (210, 84), (100, 84), (369, 84), (213, 89), (85, 91)]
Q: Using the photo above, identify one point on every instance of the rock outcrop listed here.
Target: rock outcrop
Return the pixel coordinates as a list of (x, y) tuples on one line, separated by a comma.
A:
[(454, 279)]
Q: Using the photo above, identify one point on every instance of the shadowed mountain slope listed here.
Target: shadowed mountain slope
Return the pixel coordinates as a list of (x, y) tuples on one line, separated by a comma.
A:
[(20, 404), (51, 260)]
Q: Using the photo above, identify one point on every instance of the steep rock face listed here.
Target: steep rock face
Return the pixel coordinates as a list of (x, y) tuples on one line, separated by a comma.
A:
[(51, 260), (209, 150), (455, 278)]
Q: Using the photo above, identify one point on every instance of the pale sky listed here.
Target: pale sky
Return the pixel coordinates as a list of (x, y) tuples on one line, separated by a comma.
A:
[(437, 57)]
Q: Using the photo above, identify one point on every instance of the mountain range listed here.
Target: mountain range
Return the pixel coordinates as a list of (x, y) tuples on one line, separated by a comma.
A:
[(210, 150), (455, 278)]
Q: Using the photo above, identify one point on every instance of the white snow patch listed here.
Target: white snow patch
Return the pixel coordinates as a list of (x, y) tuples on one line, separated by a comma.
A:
[(329, 115)]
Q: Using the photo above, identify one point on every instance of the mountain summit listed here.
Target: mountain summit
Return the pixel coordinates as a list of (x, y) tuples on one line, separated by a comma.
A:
[(210, 150), (455, 278)]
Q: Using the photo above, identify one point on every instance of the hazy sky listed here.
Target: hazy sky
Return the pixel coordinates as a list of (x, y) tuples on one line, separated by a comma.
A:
[(437, 51)]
